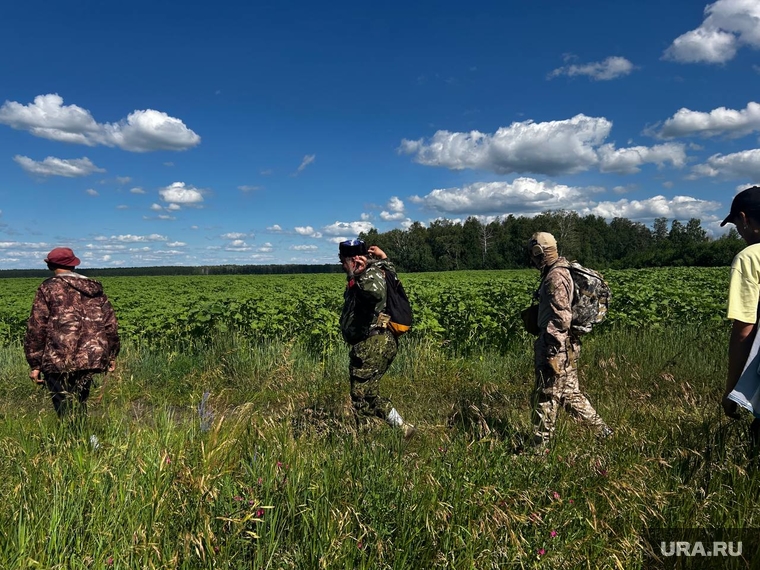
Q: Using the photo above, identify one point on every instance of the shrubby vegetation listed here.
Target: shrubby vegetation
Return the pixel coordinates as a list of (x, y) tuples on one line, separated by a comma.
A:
[(226, 440)]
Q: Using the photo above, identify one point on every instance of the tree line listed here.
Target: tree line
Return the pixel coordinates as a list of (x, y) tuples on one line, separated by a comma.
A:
[(445, 245)]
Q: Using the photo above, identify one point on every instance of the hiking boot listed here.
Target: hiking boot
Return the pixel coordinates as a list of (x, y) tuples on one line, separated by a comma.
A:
[(605, 433)]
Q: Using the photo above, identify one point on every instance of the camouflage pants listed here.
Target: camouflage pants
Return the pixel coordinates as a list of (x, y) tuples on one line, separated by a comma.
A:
[(557, 387), (369, 360), (66, 386)]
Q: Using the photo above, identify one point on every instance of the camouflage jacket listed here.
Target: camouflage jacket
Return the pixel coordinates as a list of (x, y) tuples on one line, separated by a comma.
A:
[(72, 326), (364, 300), (555, 306)]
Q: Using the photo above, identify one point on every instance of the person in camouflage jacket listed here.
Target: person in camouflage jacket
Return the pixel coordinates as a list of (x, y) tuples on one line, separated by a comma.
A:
[(71, 334), (363, 324), (556, 349)]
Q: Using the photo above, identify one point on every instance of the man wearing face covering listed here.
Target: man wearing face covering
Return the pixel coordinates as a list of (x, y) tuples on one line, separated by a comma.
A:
[(557, 348)]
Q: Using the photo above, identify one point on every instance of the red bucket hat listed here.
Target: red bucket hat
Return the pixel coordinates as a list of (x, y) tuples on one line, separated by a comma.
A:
[(62, 256)]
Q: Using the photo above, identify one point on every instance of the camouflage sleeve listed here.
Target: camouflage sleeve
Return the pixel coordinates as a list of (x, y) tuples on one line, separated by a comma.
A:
[(111, 326), (558, 287), (371, 285), (36, 330)]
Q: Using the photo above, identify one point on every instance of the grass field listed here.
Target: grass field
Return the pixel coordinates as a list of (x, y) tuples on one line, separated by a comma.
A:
[(227, 452)]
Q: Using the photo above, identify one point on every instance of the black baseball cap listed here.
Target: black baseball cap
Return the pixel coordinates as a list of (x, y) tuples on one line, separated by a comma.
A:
[(747, 201)]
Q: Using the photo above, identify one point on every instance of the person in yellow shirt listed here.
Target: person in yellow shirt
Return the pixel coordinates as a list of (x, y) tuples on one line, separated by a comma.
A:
[(743, 293)]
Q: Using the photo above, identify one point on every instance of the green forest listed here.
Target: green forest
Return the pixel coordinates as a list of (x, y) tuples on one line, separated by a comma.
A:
[(446, 245)]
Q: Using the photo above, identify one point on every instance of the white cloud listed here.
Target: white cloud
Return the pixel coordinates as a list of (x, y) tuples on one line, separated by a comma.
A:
[(51, 166), (165, 217), (521, 196), (307, 231), (744, 164), (122, 207), (247, 188), (91, 192), (180, 193), (392, 216), (123, 179), (680, 207), (720, 121), (337, 239), (610, 68), (234, 235), (129, 238), (156, 207), (265, 248), (137, 190), (307, 160), (304, 247), (629, 160), (351, 228), (176, 244), (275, 228), (141, 131), (551, 148), (173, 207), (395, 204), (728, 25)]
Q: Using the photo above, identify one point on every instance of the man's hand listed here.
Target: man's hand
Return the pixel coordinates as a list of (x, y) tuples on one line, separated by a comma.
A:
[(35, 375), (376, 252), (730, 407)]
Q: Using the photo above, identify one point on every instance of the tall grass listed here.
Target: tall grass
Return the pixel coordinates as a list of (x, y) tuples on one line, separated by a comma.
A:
[(237, 455)]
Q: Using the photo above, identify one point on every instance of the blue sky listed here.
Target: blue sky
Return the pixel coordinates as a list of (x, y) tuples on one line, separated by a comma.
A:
[(210, 133)]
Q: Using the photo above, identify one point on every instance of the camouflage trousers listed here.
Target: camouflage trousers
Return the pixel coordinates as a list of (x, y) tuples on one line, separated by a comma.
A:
[(557, 387), (64, 387), (369, 360)]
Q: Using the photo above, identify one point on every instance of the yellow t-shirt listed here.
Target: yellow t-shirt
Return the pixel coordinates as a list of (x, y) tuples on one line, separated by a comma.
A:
[(744, 285)]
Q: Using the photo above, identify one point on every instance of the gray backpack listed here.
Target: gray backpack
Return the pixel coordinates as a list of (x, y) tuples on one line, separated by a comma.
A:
[(591, 297)]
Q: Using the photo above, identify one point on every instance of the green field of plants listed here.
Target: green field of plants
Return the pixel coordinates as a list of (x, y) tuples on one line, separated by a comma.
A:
[(226, 440)]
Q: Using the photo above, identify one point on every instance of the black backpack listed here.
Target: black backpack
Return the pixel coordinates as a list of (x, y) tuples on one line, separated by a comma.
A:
[(397, 304)]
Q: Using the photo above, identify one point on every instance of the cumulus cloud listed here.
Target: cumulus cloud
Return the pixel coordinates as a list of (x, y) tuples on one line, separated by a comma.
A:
[(141, 131), (129, 238), (52, 166), (679, 207), (265, 248), (550, 148), (720, 121), (247, 188), (307, 231), (629, 160), (744, 164), (304, 247), (350, 228), (307, 160), (91, 192), (137, 190), (182, 194), (176, 244), (610, 68), (274, 228), (123, 179), (394, 211), (521, 196), (234, 235), (728, 25)]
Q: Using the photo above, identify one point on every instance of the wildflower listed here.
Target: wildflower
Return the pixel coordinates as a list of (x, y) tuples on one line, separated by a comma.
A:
[(167, 460), (570, 501), (279, 465), (109, 561), (260, 481), (541, 551), (259, 513), (237, 498), (556, 496), (359, 545), (553, 533)]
